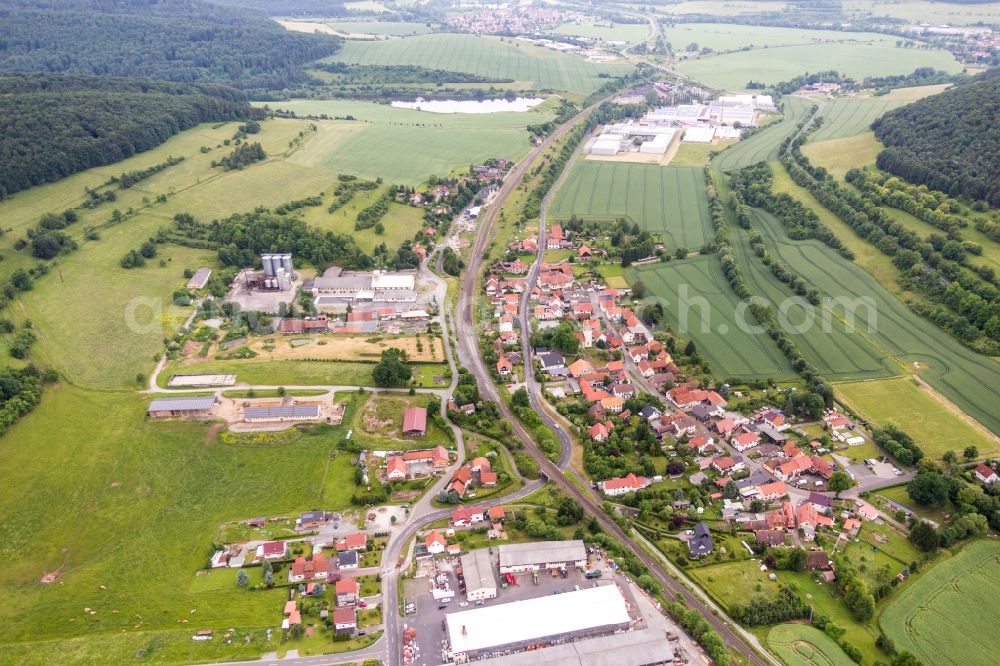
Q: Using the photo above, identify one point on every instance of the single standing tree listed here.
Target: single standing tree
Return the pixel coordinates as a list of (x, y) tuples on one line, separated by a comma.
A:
[(970, 453), (242, 580), (839, 482), (924, 536)]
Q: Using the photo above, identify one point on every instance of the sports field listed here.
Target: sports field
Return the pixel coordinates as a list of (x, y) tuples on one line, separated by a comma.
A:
[(633, 33), (835, 349), (803, 645), (969, 380), (763, 146), (949, 614), (405, 146), (732, 71), (711, 318), (126, 519), (501, 59), (669, 201), (731, 36), (932, 424)]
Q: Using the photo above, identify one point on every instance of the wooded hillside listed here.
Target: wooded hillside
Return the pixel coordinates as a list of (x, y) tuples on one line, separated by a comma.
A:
[(949, 142), (175, 40), (54, 125)]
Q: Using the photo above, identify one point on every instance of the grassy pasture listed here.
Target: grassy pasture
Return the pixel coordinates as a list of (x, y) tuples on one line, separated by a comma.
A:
[(732, 36), (405, 146), (669, 201), (136, 513), (932, 424), (949, 613), (803, 645), (633, 33), (969, 380), (291, 373), (392, 28), (763, 146), (734, 582), (484, 56), (732, 71), (712, 321), (838, 156), (726, 8)]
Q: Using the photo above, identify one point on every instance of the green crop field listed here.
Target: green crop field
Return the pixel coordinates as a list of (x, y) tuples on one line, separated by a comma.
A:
[(732, 36), (405, 146), (484, 56), (124, 511), (838, 352), (847, 116), (949, 614), (969, 380), (803, 645), (669, 201), (930, 12), (763, 146), (393, 28), (712, 320), (633, 33), (732, 71), (838, 156), (725, 8), (936, 428)]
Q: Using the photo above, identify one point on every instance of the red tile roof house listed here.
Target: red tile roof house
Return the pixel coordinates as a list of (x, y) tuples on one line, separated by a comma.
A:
[(504, 367), (415, 422), (435, 543), (744, 441), (345, 620), (497, 514), (488, 478), (465, 516), (356, 541), (315, 569), (272, 550), (623, 486), (986, 474), (395, 468), (346, 590), (598, 432)]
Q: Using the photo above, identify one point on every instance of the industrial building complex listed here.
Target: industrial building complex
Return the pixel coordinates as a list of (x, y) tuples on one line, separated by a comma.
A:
[(515, 558), (337, 288)]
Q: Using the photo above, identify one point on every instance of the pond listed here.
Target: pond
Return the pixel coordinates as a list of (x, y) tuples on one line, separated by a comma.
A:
[(471, 106)]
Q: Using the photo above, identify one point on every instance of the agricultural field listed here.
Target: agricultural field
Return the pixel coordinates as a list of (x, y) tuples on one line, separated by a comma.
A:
[(969, 380), (665, 201), (763, 146), (631, 33), (491, 57), (803, 645), (697, 154), (401, 223), (948, 615), (126, 527), (846, 117), (712, 320), (734, 70), (733, 36), (391, 28), (405, 146), (837, 351), (320, 373), (929, 11), (936, 426), (838, 156), (725, 8)]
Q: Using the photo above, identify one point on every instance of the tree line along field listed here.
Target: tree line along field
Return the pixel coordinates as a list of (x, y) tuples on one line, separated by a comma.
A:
[(484, 56), (405, 146), (712, 322), (732, 36), (128, 522), (837, 352), (665, 201), (935, 427), (763, 146), (733, 71), (969, 380), (804, 645), (949, 614)]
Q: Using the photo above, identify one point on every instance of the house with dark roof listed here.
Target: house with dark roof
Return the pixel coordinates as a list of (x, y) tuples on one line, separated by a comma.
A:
[(347, 559), (821, 502), (701, 543), (817, 560), (770, 538)]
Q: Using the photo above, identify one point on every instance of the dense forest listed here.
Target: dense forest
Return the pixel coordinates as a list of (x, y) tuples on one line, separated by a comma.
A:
[(949, 142), (54, 125), (176, 40)]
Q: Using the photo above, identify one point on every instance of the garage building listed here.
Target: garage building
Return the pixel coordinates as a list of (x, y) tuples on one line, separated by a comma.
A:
[(589, 612), (163, 408), (480, 576), (515, 558)]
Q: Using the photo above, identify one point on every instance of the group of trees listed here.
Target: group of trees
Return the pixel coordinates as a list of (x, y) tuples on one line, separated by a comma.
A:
[(243, 155), (976, 509), (783, 607), (949, 142), (137, 258), (130, 178), (174, 40), (371, 215), (392, 369), (52, 126), (20, 391), (891, 439)]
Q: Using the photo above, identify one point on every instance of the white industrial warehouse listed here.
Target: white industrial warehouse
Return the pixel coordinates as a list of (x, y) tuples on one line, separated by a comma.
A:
[(514, 626), (518, 557), (480, 577)]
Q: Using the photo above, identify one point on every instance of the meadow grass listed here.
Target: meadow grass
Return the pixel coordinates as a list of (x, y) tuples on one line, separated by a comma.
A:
[(496, 58), (732, 36), (696, 154), (288, 373), (734, 583), (733, 71), (803, 645), (633, 33), (838, 156), (948, 613), (918, 11), (935, 427), (730, 348), (666, 201), (125, 511)]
